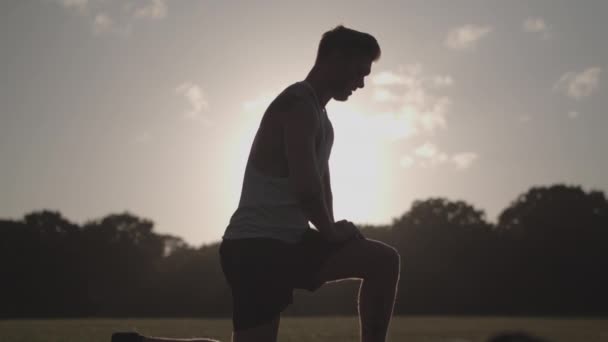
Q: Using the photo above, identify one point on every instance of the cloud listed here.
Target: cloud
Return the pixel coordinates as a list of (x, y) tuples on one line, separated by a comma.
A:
[(464, 160), (435, 116), (155, 9), (536, 25), (427, 150), (102, 23), (466, 37), (579, 85), (198, 102), (413, 93), (443, 81), (260, 103), (142, 138), (429, 155), (387, 78), (77, 4), (525, 118), (384, 95), (115, 16), (573, 114), (407, 161)]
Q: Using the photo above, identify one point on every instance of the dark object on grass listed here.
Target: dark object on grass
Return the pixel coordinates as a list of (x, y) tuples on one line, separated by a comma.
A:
[(515, 337), (127, 337)]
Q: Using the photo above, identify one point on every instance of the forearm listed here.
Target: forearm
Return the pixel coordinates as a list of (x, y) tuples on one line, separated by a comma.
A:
[(316, 210), (329, 203)]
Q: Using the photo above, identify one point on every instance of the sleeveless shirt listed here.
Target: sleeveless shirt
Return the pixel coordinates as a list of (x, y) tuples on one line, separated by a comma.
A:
[(267, 207)]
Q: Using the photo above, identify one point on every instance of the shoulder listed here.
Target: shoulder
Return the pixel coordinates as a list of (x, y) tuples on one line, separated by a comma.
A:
[(295, 106)]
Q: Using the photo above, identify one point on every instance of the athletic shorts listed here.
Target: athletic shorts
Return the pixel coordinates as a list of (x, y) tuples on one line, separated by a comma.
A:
[(262, 273)]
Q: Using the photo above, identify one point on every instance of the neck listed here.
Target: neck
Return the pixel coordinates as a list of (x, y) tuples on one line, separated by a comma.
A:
[(316, 80)]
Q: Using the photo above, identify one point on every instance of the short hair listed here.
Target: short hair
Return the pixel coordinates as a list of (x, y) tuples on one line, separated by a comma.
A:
[(349, 42)]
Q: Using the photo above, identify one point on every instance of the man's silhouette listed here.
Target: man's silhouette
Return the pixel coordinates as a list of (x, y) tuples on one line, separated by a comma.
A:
[(268, 248)]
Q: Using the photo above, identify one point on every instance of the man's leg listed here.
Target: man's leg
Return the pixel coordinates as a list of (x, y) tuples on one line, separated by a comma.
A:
[(135, 337), (266, 332), (378, 265), (167, 339)]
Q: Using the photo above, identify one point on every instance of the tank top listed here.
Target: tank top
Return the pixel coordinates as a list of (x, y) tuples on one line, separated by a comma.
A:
[(267, 207)]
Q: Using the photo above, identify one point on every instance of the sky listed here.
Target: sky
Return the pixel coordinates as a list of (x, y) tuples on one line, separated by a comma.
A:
[(150, 106)]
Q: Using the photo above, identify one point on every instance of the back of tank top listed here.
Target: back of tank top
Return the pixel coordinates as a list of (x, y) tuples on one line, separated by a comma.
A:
[(267, 207)]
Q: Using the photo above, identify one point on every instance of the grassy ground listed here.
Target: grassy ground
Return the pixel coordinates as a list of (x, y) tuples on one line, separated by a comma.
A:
[(334, 329)]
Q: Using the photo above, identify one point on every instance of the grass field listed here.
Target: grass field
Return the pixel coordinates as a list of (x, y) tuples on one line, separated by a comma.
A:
[(334, 329)]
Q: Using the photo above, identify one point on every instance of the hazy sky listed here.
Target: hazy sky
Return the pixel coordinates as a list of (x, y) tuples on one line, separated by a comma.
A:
[(150, 106)]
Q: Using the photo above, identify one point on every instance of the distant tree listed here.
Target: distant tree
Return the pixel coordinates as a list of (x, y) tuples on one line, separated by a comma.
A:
[(121, 257), (444, 247), (49, 223), (557, 237), (546, 255), (556, 211)]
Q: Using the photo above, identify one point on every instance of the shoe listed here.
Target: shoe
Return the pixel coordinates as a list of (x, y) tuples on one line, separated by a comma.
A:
[(127, 337)]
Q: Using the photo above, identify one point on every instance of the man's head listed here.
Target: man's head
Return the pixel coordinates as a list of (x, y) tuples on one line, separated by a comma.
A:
[(345, 57)]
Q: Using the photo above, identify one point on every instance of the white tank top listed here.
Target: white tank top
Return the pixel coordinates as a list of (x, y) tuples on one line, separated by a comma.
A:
[(267, 207)]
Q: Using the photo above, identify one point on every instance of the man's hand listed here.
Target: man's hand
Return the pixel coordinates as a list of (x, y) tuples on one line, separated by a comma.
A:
[(345, 231)]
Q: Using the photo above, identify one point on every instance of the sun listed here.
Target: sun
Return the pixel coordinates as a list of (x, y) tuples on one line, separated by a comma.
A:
[(361, 165)]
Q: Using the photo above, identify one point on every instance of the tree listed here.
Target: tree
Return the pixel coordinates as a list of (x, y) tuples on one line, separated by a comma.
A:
[(558, 237)]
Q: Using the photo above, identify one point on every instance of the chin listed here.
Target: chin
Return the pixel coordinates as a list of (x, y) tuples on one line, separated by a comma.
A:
[(342, 97)]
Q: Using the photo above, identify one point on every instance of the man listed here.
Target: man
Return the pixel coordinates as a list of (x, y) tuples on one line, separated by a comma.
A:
[(268, 248)]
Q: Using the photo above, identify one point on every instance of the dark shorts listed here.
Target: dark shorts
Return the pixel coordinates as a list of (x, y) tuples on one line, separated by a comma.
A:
[(263, 272)]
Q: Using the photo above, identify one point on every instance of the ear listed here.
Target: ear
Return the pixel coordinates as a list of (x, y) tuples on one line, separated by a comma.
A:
[(336, 57)]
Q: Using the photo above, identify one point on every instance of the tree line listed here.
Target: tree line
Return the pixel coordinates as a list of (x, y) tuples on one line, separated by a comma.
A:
[(546, 255)]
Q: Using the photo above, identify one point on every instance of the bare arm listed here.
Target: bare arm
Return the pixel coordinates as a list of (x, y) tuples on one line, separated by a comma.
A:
[(300, 126), (329, 201)]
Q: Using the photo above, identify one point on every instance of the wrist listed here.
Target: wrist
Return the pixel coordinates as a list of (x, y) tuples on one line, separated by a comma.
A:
[(329, 232)]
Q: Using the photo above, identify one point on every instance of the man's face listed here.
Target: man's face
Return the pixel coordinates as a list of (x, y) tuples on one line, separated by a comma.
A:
[(349, 76)]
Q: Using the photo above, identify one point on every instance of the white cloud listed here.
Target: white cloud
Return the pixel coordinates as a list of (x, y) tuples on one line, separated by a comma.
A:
[(524, 118), (464, 160), (573, 114), (142, 138), (413, 92), (102, 23), (198, 102), (406, 161), (77, 4), (384, 95), (427, 150), (466, 37), (429, 155), (387, 78), (435, 116), (579, 85), (443, 81), (537, 25), (155, 9), (260, 103), (115, 16)]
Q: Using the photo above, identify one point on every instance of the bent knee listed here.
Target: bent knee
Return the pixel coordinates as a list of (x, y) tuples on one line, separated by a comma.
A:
[(393, 260), (388, 262)]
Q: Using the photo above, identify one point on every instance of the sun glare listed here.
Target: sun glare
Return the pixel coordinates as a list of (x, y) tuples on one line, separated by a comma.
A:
[(361, 164)]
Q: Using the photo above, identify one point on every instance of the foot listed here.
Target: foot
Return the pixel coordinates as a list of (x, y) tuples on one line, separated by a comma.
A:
[(127, 337)]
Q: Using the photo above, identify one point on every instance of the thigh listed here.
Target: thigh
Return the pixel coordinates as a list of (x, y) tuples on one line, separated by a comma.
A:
[(253, 269), (264, 332), (359, 259)]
